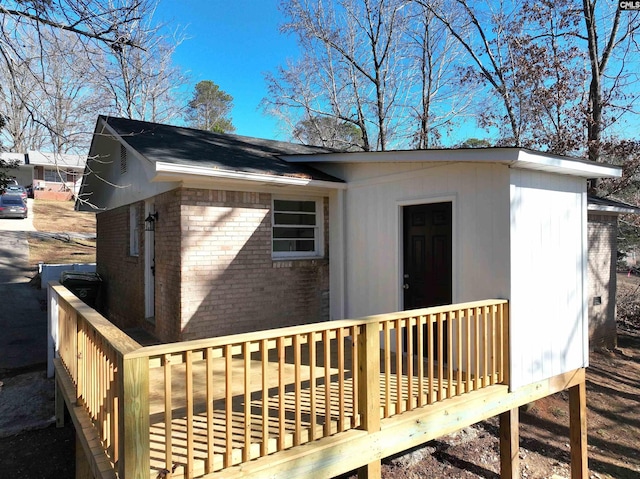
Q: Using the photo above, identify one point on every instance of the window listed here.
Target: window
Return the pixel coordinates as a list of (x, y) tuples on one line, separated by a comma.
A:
[(296, 228), (134, 230)]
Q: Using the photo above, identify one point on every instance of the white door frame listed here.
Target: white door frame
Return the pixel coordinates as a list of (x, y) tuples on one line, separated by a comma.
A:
[(149, 266)]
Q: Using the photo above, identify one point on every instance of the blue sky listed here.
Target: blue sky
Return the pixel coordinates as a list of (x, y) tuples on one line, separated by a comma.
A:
[(232, 43)]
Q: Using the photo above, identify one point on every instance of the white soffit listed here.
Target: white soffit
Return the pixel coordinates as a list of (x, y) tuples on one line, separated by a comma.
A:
[(514, 157), (176, 172)]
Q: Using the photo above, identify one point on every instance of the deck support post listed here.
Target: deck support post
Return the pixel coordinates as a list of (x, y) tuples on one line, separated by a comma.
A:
[(578, 431), (59, 404), (369, 390), (83, 468), (509, 444)]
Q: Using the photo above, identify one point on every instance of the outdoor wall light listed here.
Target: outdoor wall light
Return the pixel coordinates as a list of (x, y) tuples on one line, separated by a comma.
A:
[(150, 222)]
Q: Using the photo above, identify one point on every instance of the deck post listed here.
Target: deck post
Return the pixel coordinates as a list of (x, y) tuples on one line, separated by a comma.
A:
[(134, 454), (509, 444), (369, 390), (578, 431)]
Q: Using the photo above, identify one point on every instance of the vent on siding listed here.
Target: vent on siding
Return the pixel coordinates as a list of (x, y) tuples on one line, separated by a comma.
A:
[(123, 159)]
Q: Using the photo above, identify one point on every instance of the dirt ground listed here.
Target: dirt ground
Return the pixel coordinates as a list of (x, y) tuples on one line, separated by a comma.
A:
[(613, 399)]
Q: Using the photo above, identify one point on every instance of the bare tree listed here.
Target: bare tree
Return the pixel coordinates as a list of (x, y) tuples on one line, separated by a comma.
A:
[(532, 55), (143, 83), (439, 102), (54, 55), (611, 36), (351, 68)]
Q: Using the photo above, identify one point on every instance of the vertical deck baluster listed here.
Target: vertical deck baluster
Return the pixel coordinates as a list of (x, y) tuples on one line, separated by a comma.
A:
[(459, 319), (188, 359), (297, 433), (420, 320), (168, 415), (485, 346), (246, 374), (477, 358), (311, 339), (467, 349), (264, 360), (430, 354), (341, 402), (228, 405), (409, 355), (398, 374), (354, 375), (440, 319), (492, 338), (281, 393), (327, 381), (209, 382), (450, 318), (387, 368)]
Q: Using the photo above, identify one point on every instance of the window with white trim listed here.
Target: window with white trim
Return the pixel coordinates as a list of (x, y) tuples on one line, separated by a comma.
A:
[(296, 228)]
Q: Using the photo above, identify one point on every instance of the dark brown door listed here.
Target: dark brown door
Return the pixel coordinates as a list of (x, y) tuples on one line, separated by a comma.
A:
[(427, 261), (427, 255)]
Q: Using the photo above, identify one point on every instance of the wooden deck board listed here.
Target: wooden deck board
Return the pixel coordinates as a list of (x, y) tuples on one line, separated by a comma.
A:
[(179, 423)]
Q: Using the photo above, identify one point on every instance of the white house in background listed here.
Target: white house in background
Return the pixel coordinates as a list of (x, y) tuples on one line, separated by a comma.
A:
[(47, 171), (53, 172)]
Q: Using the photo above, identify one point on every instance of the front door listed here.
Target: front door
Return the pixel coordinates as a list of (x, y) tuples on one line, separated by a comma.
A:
[(427, 255), (427, 260)]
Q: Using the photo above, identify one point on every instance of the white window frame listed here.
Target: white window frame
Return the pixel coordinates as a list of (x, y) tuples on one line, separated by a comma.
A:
[(134, 230), (318, 237)]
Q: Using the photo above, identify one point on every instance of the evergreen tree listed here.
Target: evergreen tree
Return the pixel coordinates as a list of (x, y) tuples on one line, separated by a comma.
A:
[(209, 109)]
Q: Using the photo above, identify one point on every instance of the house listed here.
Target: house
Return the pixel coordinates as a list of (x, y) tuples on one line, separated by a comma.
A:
[(53, 176), (602, 215), (203, 234), (263, 251)]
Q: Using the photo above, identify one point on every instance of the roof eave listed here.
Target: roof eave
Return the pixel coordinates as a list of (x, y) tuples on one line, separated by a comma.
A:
[(513, 157), (172, 172)]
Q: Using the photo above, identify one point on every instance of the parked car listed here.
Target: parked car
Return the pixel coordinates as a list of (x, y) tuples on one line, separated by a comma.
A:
[(13, 206), (16, 190)]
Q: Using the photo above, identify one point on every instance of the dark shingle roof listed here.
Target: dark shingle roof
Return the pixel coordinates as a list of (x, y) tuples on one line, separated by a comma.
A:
[(187, 146)]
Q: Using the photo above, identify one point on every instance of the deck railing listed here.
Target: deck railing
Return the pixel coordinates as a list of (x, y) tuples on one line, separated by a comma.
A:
[(209, 404)]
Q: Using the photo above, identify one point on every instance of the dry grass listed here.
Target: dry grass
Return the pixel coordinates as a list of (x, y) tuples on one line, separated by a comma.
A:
[(59, 217)]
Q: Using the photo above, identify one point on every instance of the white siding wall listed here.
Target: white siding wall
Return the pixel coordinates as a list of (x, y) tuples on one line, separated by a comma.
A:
[(373, 218), (548, 254)]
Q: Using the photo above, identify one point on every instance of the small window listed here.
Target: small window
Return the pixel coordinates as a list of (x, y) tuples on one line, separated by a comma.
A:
[(296, 228), (134, 230)]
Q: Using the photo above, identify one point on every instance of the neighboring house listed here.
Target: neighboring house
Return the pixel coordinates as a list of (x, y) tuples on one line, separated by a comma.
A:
[(54, 173), (53, 176), (252, 234), (603, 249)]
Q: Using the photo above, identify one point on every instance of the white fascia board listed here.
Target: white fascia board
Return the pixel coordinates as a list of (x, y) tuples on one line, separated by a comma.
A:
[(514, 157), (172, 171), (613, 209), (565, 166)]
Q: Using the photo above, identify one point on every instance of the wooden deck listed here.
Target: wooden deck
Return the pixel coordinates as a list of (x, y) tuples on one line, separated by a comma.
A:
[(316, 400), (276, 421)]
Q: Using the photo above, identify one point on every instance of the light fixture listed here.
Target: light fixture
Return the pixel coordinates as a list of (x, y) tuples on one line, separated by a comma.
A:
[(150, 222)]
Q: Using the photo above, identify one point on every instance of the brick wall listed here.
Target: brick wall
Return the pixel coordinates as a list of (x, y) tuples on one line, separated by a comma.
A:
[(229, 283), (122, 274), (168, 252), (214, 271), (602, 232)]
